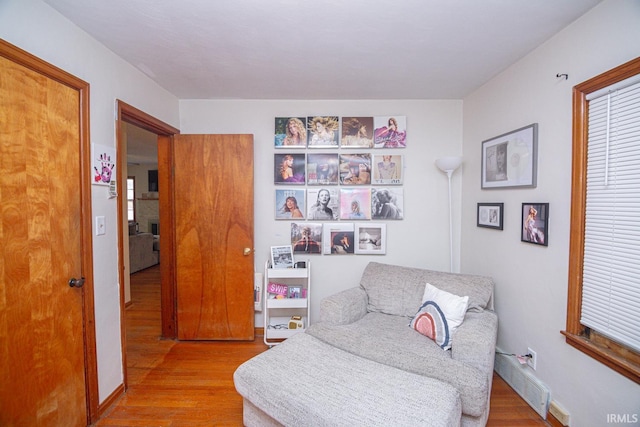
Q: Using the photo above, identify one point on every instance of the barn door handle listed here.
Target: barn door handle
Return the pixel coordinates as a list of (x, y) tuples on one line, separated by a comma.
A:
[(76, 283), (246, 251)]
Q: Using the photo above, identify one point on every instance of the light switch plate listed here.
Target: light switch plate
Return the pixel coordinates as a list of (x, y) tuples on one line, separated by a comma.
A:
[(100, 226)]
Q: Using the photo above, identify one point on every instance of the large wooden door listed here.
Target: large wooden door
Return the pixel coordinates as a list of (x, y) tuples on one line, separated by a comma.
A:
[(42, 318), (213, 199)]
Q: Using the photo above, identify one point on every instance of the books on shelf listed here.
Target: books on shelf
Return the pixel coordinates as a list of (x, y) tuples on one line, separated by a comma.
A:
[(279, 290)]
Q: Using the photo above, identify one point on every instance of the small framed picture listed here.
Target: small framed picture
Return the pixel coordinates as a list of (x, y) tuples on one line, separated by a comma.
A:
[(490, 215), (322, 169), (355, 203), (535, 223), (338, 238), (387, 203), (371, 239), (295, 292), (357, 132), (390, 132), (510, 160), (387, 169), (323, 204), (322, 131), (290, 132), (282, 256), (355, 169), (290, 203), (306, 237), (289, 169)]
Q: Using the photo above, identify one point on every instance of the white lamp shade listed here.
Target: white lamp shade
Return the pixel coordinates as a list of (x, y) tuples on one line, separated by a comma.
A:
[(451, 163)]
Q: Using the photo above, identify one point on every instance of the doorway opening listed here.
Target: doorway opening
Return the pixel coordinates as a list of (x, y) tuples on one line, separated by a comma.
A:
[(131, 120)]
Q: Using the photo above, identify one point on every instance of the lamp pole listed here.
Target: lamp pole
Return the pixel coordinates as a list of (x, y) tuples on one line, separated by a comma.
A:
[(449, 166)]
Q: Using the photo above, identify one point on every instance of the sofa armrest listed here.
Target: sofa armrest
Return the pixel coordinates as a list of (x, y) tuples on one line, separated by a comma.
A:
[(344, 307), (474, 342)]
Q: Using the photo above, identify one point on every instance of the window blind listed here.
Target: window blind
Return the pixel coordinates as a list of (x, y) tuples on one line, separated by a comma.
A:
[(611, 276)]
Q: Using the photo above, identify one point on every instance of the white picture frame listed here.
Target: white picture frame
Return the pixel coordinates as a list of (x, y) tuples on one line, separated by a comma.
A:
[(282, 256), (371, 239)]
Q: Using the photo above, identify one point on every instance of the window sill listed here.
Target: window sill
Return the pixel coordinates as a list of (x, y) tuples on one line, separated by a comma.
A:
[(604, 355)]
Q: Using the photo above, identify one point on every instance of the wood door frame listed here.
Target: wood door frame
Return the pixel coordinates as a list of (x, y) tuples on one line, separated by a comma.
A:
[(129, 114), (27, 60)]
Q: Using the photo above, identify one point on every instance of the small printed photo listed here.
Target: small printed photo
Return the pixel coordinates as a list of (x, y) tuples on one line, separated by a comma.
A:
[(289, 169), (387, 169), (323, 204), (371, 239), (357, 132), (322, 131), (281, 256), (355, 169), (490, 215), (291, 132), (535, 223), (387, 203), (295, 292), (322, 169), (390, 132), (338, 239), (290, 204), (355, 203), (306, 237)]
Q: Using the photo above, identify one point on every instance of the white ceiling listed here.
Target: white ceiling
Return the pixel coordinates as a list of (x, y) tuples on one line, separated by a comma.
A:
[(322, 49)]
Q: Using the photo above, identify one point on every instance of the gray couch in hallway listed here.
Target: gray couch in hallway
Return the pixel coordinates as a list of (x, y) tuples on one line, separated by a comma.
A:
[(141, 252)]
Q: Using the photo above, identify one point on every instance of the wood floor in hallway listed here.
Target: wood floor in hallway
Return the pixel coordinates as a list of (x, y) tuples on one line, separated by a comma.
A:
[(190, 384)]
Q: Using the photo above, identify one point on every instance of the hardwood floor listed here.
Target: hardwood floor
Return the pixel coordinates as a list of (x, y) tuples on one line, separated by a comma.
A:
[(175, 383)]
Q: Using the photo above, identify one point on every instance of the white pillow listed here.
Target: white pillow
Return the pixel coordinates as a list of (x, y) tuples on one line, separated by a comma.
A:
[(440, 315)]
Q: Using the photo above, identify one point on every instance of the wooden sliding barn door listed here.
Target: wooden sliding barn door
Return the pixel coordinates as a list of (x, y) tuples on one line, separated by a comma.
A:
[(213, 199)]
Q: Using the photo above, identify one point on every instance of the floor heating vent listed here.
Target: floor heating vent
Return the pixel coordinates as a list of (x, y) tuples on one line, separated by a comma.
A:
[(522, 380)]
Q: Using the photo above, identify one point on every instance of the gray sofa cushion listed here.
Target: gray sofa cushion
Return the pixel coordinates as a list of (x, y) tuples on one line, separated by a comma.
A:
[(306, 382), (398, 290), (389, 340)]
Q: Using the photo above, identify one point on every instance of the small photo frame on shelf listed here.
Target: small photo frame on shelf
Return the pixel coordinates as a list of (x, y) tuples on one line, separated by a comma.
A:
[(535, 223), (282, 256), (490, 215), (510, 160), (357, 132), (290, 132), (295, 292), (371, 239), (387, 169)]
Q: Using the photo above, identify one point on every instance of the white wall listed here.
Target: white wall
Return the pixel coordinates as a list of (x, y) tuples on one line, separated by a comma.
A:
[(531, 281), (37, 28), (420, 240)]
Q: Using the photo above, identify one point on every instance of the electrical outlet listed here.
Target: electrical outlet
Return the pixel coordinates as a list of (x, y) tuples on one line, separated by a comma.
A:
[(531, 361)]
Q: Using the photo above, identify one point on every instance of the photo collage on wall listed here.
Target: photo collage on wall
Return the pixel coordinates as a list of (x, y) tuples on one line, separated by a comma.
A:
[(330, 168)]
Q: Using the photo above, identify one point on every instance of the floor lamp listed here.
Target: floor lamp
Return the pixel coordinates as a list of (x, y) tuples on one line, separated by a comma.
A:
[(449, 165)]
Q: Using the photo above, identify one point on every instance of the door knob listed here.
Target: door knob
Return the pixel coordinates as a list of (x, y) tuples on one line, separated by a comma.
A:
[(246, 251), (76, 283)]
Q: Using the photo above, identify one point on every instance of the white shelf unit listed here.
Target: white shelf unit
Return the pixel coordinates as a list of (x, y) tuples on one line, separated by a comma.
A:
[(277, 312)]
